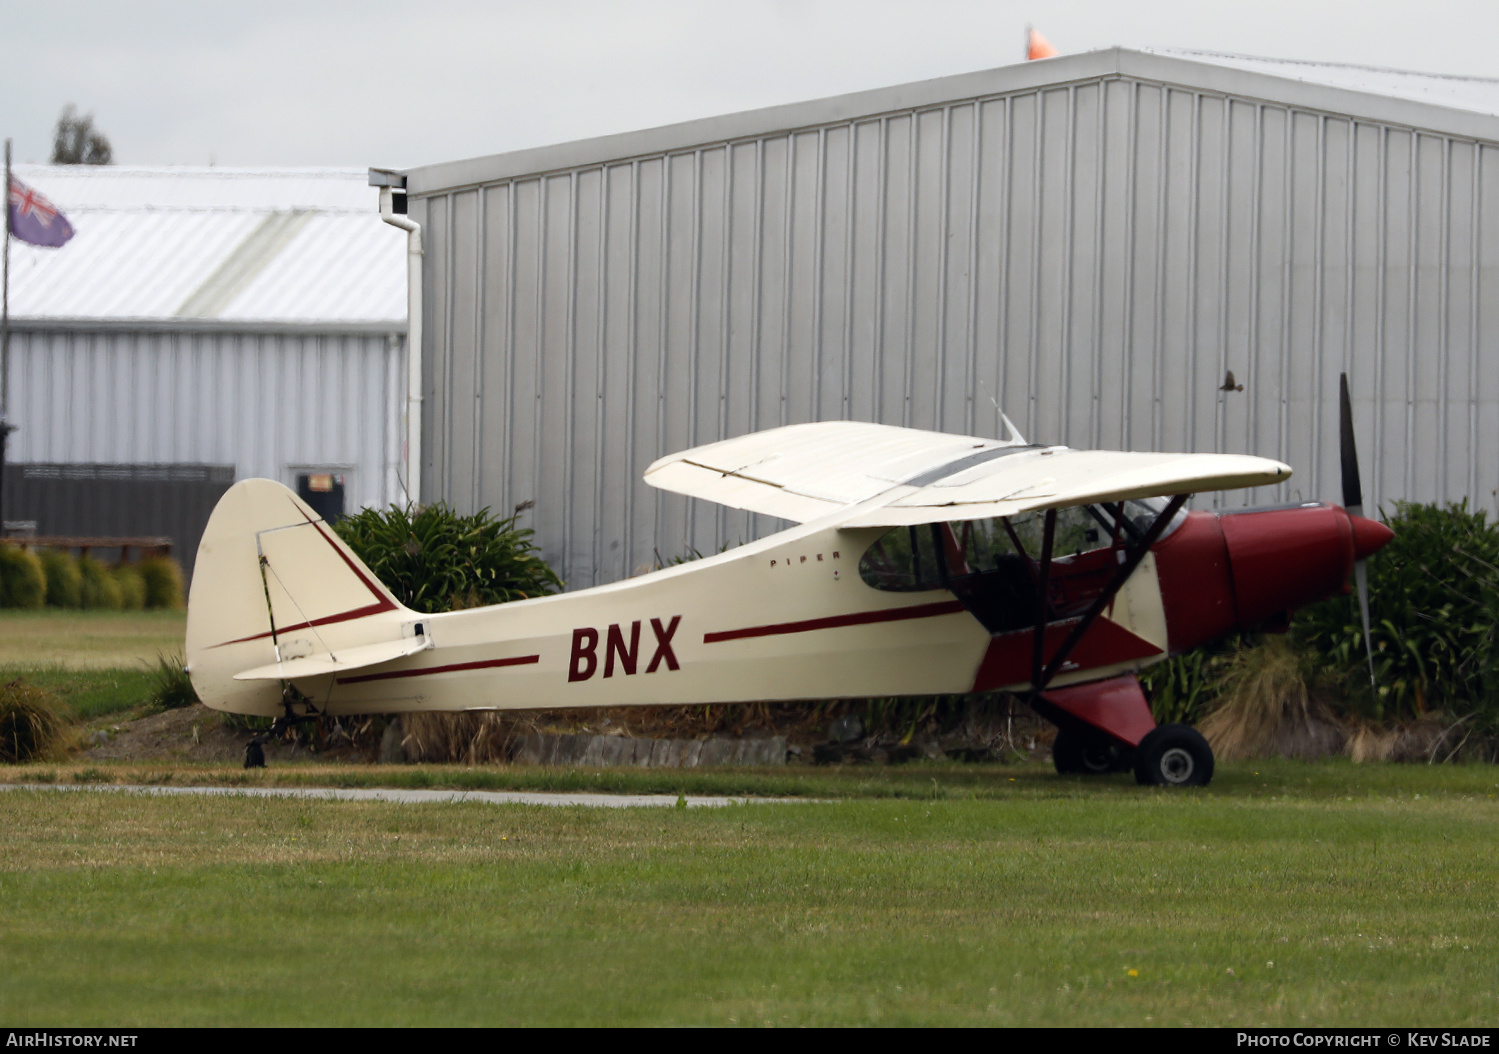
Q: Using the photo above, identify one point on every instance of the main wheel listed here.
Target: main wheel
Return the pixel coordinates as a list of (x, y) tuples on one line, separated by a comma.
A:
[(1174, 756), (1077, 752)]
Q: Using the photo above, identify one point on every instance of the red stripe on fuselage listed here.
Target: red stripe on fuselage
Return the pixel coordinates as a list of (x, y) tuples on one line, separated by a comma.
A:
[(519, 660), (862, 618)]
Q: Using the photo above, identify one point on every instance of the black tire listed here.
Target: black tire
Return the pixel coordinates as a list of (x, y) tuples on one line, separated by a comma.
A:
[(1174, 756), (1080, 753)]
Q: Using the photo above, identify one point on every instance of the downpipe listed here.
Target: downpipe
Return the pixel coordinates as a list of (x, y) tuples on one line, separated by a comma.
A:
[(414, 254)]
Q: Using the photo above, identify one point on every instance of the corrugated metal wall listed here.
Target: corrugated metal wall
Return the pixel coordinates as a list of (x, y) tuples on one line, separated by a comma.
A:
[(1091, 257), (265, 402)]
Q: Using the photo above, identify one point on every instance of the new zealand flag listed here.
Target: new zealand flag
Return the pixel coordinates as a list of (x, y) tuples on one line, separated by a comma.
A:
[(36, 220)]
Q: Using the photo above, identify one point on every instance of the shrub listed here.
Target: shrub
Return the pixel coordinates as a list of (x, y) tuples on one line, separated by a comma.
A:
[(1433, 609), (163, 578), (22, 581), (1185, 687), (32, 725), (100, 590), (1271, 704), (245, 722), (64, 583), (132, 587), (171, 688), (437, 560)]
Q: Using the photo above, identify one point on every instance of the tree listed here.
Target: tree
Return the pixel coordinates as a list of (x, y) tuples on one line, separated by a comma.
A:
[(76, 141)]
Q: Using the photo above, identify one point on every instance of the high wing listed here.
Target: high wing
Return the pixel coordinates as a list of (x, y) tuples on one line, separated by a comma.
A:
[(1056, 477), (803, 472)]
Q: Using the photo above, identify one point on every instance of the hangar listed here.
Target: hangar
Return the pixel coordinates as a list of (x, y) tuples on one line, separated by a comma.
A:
[(1090, 242), (204, 325)]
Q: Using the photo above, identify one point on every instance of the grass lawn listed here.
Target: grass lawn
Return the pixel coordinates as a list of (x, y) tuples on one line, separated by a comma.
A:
[(1271, 779), (92, 694), (87, 640), (98, 662), (1284, 894)]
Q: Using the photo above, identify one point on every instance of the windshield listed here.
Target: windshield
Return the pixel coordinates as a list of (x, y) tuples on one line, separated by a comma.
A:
[(1140, 513), (929, 555)]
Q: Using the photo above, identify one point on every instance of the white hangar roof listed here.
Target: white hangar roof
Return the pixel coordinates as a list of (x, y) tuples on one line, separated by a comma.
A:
[(220, 246)]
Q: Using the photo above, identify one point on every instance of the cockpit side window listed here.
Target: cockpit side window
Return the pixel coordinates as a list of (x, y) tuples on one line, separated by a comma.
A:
[(993, 565), (906, 559), (931, 555), (1140, 513), (988, 542), (903, 561)]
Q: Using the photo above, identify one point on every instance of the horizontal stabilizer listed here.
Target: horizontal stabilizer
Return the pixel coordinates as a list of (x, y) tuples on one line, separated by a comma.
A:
[(347, 659)]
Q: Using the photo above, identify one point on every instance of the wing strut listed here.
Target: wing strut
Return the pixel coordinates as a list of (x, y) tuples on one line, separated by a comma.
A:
[(1042, 676), (1043, 581)]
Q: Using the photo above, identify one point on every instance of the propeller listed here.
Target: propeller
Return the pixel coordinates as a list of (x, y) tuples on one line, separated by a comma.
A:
[(1353, 503)]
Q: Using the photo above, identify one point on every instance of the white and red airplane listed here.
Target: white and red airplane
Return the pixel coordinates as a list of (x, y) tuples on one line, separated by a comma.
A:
[(924, 563)]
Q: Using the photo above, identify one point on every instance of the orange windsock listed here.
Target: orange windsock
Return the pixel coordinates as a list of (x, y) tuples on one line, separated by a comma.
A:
[(1037, 46)]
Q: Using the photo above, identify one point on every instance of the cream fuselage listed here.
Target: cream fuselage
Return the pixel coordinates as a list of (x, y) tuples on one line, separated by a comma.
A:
[(784, 618)]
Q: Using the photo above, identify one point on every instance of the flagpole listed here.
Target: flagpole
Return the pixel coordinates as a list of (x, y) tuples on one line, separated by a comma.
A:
[(5, 428), (5, 312)]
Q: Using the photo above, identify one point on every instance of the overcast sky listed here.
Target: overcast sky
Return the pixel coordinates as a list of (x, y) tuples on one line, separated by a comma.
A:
[(303, 82)]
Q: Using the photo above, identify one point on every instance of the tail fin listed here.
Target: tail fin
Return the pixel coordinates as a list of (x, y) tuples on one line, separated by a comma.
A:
[(272, 583)]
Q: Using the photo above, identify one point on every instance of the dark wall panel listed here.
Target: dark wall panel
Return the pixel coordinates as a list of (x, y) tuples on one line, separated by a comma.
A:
[(172, 501)]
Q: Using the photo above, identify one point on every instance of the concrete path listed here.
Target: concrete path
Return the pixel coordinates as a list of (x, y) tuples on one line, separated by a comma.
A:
[(608, 801)]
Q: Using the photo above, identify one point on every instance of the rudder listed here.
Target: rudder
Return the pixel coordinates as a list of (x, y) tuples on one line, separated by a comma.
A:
[(273, 582)]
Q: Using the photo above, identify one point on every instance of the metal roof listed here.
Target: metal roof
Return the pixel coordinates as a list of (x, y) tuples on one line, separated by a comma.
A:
[(212, 244), (1479, 94), (1458, 106)]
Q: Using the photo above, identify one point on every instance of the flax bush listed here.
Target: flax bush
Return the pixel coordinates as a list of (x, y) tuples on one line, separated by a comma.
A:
[(436, 560), (1433, 609), (1184, 688)]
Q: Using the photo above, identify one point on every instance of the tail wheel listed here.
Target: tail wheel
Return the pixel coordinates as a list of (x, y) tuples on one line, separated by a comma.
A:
[(1174, 756), (1077, 752)]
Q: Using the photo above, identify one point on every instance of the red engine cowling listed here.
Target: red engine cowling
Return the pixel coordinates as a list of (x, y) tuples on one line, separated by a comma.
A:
[(1249, 570)]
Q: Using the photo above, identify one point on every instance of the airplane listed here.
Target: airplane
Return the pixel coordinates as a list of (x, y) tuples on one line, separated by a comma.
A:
[(922, 563)]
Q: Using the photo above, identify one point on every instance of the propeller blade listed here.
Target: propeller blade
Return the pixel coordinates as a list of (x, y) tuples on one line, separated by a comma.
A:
[(1353, 491), (1353, 501), (1361, 578)]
